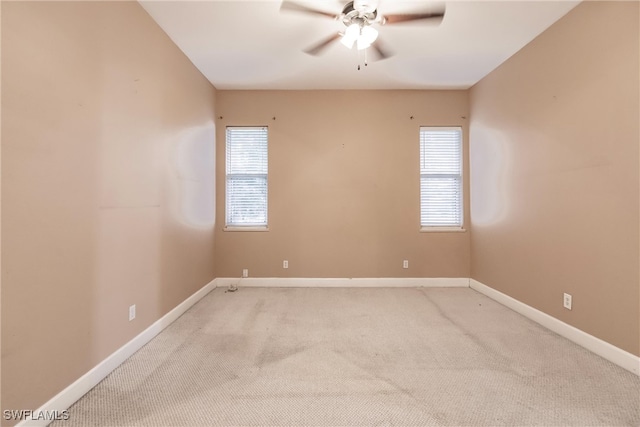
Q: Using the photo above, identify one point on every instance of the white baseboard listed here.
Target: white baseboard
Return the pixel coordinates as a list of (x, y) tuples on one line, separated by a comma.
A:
[(358, 282), (602, 348), (80, 387)]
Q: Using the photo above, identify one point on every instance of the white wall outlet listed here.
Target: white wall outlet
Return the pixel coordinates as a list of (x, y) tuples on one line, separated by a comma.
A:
[(567, 301), (405, 263), (285, 264), (245, 272), (132, 312)]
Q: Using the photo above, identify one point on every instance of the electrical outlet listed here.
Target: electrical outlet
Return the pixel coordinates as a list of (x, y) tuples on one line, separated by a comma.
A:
[(285, 264), (567, 301), (405, 263), (245, 272), (132, 312)]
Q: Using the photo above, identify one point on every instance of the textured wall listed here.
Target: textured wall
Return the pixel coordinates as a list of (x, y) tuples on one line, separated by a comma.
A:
[(343, 185), (108, 139), (554, 173)]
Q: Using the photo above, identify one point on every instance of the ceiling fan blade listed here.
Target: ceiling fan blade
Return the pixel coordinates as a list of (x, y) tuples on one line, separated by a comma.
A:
[(381, 50), (297, 7), (319, 47), (407, 17)]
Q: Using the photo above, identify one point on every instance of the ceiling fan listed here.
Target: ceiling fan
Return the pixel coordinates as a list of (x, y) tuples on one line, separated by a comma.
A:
[(358, 17)]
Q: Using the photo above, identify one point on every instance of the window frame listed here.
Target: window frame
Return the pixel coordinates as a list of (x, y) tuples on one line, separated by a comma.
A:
[(237, 226), (459, 176)]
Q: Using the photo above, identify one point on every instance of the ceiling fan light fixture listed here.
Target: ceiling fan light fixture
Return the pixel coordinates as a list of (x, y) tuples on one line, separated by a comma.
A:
[(361, 35)]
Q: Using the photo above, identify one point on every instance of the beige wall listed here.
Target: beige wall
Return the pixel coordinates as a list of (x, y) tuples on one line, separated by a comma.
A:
[(343, 185), (554, 173), (108, 137)]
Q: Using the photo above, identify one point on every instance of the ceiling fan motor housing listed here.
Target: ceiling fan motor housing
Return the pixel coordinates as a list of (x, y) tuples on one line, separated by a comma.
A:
[(361, 12)]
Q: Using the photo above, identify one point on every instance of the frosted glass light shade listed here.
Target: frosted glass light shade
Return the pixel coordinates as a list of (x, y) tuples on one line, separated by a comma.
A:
[(352, 31), (367, 36), (351, 34)]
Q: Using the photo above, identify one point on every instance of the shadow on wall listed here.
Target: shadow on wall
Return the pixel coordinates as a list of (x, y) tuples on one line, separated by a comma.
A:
[(193, 177), (489, 157), (187, 239)]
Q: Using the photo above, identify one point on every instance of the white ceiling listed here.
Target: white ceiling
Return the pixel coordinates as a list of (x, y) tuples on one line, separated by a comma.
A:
[(240, 44)]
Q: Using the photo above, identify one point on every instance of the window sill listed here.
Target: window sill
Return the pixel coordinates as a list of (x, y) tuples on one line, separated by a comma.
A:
[(248, 228), (442, 230)]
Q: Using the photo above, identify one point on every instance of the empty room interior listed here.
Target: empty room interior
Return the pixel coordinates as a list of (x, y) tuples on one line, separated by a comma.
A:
[(320, 213)]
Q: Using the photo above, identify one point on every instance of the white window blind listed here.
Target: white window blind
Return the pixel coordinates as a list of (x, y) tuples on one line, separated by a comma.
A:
[(246, 172), (441, 177)]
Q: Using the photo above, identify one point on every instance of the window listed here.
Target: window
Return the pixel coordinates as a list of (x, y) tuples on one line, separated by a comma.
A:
[(441, 177), (246, 176)]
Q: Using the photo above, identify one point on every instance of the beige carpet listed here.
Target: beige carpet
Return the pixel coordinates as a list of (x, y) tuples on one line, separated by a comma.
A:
[(347, 356)]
